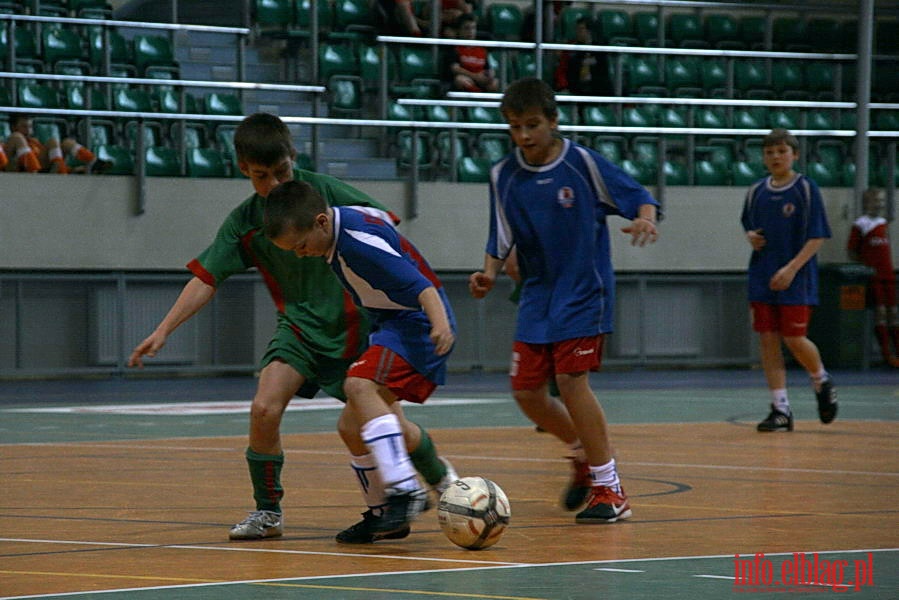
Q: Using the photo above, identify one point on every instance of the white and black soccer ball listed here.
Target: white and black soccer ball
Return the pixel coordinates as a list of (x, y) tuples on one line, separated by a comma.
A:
[(473, 512)]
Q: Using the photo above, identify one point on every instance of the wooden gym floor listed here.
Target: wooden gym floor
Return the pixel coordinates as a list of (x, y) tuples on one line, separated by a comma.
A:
[(126, 489)]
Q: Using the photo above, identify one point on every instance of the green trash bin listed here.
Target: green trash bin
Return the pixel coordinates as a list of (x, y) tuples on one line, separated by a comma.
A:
[(839, 325)]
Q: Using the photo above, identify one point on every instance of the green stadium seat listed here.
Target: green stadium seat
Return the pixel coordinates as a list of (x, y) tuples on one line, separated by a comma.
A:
[(646, 28), (405, 156), (685, 31), (161, 161), (402, 112), (639, 171), (707, 172), (417, 73), (90, 9), (744, 173), (77, 98), (369, 58), (336, 59), (472, 169), (675, 173), (119, 50), (121, 159), (819, 78), (646, 150), (303, 15), (788, 77), (790, 34), (821, 119), (638, 116), (682, 72), (484, 114), (504, 20), (713, 74), (492, 146), (611, 147), (152, 50), (219, 103), (46, 129), (599, 115), (38, 95), (345, 95), (616, 28), (824, 175), (831, 153), (25, 47), (750, 74), (752, 31), (353, 21), (714, 117), (526, 65), (643, 72), (722, 31), (785, 118), (823, 34), (62, 45), (205, 162), (450, 149)]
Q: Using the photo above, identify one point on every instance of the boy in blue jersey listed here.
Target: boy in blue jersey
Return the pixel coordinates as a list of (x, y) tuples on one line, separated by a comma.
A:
[(550, 199), (413, 331), (786, 225)]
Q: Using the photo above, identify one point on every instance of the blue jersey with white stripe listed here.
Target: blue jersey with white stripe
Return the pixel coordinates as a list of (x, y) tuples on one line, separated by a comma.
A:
[(788, 216), (555, 217), (385, 274)]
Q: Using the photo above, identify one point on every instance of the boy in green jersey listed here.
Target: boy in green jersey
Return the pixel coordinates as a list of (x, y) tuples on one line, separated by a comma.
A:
[(320, 331)]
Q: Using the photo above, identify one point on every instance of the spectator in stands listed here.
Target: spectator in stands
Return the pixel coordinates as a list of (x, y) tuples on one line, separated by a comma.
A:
[(24, 152), (583, 72), (466, 68), (450, 11), (397, 17), (869, 244)]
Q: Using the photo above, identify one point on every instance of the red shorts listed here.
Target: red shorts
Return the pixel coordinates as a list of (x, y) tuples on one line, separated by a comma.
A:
[(534, 364), (386, 367), (788, 320)]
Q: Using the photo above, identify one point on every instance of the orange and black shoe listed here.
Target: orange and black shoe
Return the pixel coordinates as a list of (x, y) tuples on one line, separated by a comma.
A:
[(605, 506), (579, 486)]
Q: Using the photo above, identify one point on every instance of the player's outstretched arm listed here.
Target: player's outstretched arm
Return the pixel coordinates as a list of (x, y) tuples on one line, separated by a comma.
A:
[(643, 229), (195, 295)]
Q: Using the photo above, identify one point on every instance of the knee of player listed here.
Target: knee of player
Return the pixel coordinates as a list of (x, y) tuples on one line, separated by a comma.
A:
[(357, 388)]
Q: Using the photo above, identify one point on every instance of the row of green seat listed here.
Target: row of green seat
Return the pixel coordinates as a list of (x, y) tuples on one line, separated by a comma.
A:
[(86, 9), (58, 47)]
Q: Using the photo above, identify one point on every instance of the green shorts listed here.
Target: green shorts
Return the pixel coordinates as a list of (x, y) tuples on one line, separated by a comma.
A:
[(322, 371)]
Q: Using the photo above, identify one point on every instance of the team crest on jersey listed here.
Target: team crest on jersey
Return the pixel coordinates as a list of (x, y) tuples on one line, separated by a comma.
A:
[(788, 209), (565, 197)]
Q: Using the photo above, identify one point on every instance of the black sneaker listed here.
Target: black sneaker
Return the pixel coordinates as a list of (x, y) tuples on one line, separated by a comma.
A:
[(99, 166), (364, 532), (401, 509), (776, 421), (827, 401)]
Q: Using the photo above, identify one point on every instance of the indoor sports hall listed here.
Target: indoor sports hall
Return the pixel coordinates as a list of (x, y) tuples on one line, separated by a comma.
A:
[(119, 482)]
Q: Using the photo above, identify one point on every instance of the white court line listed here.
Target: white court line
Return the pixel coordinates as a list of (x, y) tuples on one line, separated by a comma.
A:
[(243, 549), (610, 570), (432, 571)]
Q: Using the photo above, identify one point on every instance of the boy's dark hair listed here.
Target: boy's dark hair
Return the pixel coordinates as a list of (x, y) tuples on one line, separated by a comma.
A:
[(16, 118), (529, 93), (264, 139), (291, 205), (463, 19), (781, 136)]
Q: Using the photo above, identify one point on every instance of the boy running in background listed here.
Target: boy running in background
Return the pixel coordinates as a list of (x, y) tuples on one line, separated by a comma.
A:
[(412, 333), (550, 200), (320, 332), (869, 244), (786, 225)]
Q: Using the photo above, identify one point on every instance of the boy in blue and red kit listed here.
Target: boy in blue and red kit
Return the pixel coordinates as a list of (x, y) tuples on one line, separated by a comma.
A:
[(786, 225), (413, 331), (550, 200)]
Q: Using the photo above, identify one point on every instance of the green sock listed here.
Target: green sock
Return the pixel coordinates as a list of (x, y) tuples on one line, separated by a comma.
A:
[(265, 473), (425, 460)]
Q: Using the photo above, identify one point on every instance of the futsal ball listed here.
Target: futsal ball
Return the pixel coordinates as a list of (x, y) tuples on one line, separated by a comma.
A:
[(473, 512)]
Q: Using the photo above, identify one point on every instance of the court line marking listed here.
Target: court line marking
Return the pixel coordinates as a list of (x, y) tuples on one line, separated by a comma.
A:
[(611, 570), (128, 445), (237, 548), (435, 571)]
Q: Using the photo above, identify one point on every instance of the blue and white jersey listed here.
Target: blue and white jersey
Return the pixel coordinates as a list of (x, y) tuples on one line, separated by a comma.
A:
[(385, 274), (788, 216), (555, 217)]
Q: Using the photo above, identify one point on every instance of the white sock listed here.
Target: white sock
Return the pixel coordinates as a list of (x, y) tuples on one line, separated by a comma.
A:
[(780, 400), (369, 478), (54, 153), (606, 475), (383, 437)]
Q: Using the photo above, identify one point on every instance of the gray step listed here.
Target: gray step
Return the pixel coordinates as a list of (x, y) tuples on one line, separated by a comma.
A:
[(359, 168), (343, 148)]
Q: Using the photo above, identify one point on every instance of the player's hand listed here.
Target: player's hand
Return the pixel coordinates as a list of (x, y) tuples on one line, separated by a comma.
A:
[(443, 340), (148, 347), (642, 231), (756, 239), (782, 279), (479, 283)]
